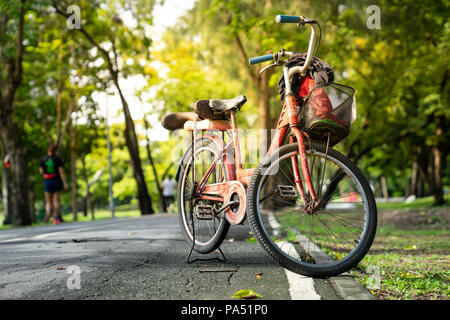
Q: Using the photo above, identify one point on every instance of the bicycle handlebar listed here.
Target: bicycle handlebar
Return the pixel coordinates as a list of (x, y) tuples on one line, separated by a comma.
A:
[(259, 59), (287, 19), (312, 46)]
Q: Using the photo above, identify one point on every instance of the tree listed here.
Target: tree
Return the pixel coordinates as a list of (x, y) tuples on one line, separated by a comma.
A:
[(12, 21), (116, 35), (400, 114)]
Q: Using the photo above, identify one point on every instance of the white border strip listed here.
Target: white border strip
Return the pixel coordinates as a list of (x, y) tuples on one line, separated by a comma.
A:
[(300, 287)]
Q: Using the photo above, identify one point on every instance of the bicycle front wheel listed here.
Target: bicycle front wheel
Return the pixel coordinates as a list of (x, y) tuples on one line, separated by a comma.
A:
[(324, 241)]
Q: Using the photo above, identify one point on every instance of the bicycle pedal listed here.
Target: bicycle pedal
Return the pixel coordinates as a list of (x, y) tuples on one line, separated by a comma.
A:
[(204, 212), (286, 192)]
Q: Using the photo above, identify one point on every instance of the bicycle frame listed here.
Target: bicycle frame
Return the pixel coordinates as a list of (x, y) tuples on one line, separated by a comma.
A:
[(288, 120)]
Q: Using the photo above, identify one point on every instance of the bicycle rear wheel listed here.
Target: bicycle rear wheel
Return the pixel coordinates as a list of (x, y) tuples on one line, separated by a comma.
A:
[(322, 242), (208, 234)]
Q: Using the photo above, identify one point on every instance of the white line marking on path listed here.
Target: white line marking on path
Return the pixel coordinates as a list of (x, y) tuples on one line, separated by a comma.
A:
[(49, 234), (13, 240), (300, 287)]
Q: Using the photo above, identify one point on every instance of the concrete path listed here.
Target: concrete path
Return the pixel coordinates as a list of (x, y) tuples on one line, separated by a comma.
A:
[(145, 258)]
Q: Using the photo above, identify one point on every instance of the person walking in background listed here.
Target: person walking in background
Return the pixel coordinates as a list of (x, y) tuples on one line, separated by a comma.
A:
[(52, 168), (169, 185)]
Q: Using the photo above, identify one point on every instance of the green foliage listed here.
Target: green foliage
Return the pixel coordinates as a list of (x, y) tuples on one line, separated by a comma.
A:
[(401, 86)]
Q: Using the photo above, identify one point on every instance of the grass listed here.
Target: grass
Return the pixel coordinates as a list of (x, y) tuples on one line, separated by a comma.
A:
[(120, 212), (420, 203), (410, 256), (405, 276), (409, 264)]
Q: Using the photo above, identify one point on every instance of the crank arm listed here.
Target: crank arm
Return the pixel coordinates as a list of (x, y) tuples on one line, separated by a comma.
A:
[(226, 206)]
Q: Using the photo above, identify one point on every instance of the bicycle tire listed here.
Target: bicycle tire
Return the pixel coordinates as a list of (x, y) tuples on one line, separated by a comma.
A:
[(201, 227), (273, 246)]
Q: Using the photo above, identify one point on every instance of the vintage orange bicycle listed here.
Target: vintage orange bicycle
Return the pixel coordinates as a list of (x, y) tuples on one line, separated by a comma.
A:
[(309, 207)]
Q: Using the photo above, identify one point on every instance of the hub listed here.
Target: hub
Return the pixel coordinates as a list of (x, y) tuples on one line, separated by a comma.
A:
[(235, 207), (312, 207)]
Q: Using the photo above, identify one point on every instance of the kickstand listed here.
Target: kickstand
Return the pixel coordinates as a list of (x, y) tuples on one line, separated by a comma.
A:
[(223, 259)]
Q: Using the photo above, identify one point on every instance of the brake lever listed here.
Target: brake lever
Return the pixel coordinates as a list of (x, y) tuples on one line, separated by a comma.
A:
[(267, 67), (278, 62)]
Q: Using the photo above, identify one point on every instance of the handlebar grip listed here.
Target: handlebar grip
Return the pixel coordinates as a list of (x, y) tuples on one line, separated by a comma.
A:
[(287, 19), (256, 60)]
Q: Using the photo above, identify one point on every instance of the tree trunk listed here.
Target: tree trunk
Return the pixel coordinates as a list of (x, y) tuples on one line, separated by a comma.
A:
[(59, 91), (110, 174), (262, 85), (6, 192), (377, 191), (92, 207), (145, 202), (264, 117), (73, 181), (32, 200), (9, 132), (414, 179), (440, 152), (384, 187), (72, 129), (338, 175), (422, 167), (87, 196), (437, 191), (152, 164), (19, 171), (420, 187), (430, 173)]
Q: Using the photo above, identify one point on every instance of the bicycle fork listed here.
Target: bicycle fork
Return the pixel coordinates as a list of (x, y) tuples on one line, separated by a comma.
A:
[(292, 111)]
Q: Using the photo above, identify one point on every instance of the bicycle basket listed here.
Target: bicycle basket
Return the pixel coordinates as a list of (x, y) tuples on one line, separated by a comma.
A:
[(328, 108)]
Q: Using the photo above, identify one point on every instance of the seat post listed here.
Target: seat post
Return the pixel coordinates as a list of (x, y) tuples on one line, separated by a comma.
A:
[(234, 130), (233, 119)]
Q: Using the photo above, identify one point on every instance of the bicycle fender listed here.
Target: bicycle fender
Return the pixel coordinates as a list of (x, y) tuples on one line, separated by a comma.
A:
[(183, 157)]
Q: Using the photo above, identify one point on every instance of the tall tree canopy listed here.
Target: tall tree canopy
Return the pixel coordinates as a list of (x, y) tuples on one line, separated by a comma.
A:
[(402, 88)]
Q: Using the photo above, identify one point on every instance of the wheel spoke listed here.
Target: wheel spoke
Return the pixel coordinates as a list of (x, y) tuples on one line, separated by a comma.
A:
[(334, 229), (208, 233)]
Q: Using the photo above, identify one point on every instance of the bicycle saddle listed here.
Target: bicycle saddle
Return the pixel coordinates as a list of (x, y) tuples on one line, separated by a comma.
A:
[(204, 109), (225, 105)]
